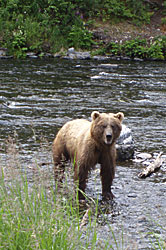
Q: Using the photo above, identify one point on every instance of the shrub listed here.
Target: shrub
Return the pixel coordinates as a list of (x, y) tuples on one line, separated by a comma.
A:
[(135, 48), (80, 37), (157, 49), (114, 48)]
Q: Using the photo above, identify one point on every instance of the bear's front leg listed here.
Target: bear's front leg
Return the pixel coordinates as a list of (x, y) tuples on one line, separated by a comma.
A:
[(107, 175)]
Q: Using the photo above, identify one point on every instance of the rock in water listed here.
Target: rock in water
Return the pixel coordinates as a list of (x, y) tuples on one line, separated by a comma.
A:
[(72, 54), (125, 144)]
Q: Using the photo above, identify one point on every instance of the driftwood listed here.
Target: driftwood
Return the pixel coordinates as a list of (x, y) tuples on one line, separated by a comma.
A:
[(85, 218), (154, 166)]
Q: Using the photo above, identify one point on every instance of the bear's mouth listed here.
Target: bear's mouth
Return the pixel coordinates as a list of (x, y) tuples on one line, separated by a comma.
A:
[(108, 139)]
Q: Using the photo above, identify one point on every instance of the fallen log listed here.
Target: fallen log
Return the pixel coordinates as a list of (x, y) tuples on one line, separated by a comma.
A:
[(153, 167), (85, 218)]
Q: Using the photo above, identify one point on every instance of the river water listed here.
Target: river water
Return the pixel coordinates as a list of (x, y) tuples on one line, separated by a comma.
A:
[(38, 96)]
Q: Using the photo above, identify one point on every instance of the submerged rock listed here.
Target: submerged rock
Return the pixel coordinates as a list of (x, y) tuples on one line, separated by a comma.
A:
[(125, 144)]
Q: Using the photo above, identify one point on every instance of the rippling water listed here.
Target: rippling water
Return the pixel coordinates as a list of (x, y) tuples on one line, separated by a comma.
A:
[(41, 95)]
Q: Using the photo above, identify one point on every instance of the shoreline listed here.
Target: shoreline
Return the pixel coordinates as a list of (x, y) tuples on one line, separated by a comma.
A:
[(82, 56)]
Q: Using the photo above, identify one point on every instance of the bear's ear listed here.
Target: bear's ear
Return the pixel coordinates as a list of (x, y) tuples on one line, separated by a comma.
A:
[(119, 116), (94, 115)]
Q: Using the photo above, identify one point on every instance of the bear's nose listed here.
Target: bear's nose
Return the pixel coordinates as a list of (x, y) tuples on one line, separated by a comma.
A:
[(109, 137)]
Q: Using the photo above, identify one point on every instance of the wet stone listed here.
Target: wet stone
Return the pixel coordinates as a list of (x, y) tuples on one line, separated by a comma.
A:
[(142, 219), (144, 156), (132, 195), (125, 144), (72, 54), (31, 55)]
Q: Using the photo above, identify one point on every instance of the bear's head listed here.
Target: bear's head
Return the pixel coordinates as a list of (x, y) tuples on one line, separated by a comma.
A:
[(106, 127)]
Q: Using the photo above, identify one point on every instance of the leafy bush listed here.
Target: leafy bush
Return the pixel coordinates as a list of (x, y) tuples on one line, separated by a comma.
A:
[(157, 49), (140, 48), (80, 38), (163, 20), (135, 48), (114, 48)]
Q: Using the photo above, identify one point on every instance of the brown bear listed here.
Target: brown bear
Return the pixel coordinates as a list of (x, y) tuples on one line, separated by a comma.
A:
[(86, 144)]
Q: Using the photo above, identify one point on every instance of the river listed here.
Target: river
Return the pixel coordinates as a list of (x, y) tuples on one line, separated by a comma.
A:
[(38, 96)]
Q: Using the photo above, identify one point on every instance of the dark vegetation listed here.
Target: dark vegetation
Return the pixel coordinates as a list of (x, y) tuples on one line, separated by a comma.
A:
[(43, 26)]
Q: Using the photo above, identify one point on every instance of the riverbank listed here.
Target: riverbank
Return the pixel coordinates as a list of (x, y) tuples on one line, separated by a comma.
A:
[(138, 49)]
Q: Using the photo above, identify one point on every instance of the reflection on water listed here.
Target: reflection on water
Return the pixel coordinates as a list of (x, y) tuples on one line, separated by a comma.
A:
[(37, 97)]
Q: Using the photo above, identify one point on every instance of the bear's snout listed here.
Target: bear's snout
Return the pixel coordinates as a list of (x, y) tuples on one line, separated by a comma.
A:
[(108, 138)]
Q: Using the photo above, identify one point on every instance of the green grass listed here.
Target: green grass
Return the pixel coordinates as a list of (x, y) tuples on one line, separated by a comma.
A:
[(37, 219), (37, 216)]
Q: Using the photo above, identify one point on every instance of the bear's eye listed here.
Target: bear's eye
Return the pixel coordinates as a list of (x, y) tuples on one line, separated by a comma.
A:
[(104, 125), (112, 126)]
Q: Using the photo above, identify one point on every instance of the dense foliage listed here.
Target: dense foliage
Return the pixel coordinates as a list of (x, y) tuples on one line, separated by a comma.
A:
[(137, 48), (50, 25)]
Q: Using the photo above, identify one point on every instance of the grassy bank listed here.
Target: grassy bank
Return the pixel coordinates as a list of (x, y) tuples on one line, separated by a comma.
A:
[(34, 214), (51, 26), (36, 219), (40, 218)]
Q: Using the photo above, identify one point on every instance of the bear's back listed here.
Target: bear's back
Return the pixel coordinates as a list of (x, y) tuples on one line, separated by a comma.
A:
[(75, 128), (73, 133)]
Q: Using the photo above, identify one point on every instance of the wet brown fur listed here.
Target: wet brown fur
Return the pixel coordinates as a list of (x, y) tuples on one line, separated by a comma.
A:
[(86, 144)]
